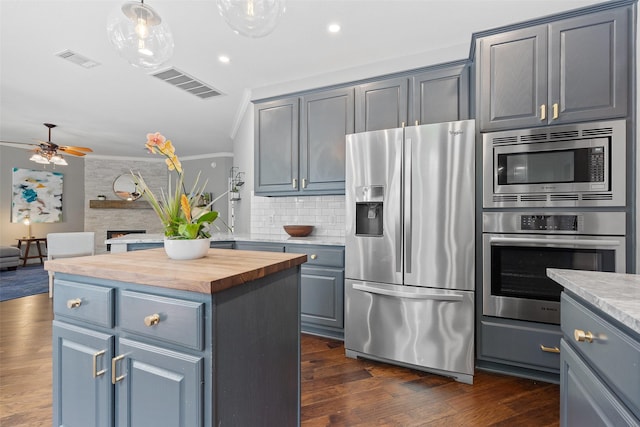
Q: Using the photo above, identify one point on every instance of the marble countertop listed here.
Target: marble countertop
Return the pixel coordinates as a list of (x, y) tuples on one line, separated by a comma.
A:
[(224, 237), (616, 294)]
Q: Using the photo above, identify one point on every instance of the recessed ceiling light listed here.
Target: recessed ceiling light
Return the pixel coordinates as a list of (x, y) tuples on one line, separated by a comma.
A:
[(224, 59), (334, 28)]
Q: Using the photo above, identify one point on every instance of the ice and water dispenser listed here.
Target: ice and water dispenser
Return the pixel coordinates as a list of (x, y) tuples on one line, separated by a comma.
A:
[(369, 209)]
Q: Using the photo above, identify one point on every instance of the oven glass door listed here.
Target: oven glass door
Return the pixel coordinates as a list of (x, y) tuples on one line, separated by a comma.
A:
[(521, 272)]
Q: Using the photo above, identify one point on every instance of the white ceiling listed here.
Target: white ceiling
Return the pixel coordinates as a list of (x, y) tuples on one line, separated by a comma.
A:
[(111, 107)]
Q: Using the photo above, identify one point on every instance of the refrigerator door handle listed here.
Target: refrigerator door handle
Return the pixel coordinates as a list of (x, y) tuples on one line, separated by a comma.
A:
[(407, 206), (426, 295)]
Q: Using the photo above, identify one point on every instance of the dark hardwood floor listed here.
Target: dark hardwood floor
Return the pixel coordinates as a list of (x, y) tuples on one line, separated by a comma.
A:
[(336, 391)]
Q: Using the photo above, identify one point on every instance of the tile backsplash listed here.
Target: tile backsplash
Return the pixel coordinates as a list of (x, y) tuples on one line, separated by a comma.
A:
[(326, 213)]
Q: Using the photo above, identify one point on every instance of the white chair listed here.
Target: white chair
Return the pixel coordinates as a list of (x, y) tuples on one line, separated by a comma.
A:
[(67, 245)]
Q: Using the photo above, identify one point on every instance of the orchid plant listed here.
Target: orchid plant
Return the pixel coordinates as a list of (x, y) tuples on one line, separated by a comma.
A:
[(176, 208)]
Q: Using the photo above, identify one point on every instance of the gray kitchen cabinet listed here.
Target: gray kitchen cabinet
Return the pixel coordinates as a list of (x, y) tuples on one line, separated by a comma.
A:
[(300, 150), (520, 348), (326, 118), (259, 246), (153, 381), (322, 290), (276, 146), (383, 104), (599, 377), (440, 95), (570, 70)]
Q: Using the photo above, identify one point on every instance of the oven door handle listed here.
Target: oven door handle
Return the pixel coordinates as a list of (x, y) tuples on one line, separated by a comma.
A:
[(411, 295), (576, 242)]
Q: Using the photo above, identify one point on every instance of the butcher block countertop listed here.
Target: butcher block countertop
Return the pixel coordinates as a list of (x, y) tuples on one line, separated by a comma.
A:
[(220, 269)]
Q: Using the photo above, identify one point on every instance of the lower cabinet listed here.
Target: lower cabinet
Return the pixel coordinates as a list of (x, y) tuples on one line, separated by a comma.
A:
[(600, 375), (321, 290), (103, 375)]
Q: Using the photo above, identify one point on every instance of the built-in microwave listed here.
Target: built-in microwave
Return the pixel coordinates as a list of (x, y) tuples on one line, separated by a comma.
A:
[(572, 165)]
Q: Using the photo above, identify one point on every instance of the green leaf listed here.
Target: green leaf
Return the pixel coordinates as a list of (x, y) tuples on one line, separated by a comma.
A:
[(207, 217)]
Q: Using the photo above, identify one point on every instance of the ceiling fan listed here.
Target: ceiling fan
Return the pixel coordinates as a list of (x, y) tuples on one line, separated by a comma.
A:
[(47, 152)]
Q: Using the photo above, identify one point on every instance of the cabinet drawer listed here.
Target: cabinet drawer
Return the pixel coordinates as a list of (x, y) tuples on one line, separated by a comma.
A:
[(89, 303), (521, 344), (612, 353), (166, 319), (265, 247), (316, 255)]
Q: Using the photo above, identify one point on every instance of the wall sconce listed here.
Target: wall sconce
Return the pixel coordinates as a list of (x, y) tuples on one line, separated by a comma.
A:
[(140, 35), (252, 18), (236, 180)]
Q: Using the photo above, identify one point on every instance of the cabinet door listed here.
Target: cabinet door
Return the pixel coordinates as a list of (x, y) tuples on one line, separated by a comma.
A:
[(513, 79), (322, 296), (588, 67), (440, 96), (81, 376), (158, 387), (326, 118), (584, 398), (382, 105), (276, 146)]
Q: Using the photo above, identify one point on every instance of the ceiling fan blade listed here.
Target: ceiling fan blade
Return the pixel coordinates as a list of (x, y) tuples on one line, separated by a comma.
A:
[(20, 143), (73, 147), (71, 151)]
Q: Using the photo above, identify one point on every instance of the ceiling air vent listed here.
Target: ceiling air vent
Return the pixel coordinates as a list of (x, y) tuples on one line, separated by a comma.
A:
[(77, 59), (186, 82)]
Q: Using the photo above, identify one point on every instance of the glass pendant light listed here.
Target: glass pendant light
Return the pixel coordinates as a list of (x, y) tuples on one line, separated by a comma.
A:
[(252, 18), (140, 35)]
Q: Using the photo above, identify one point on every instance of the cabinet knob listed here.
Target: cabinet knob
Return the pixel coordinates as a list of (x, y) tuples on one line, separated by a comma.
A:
[(152, 319), (74, 303), (582, 336), (314, 256)]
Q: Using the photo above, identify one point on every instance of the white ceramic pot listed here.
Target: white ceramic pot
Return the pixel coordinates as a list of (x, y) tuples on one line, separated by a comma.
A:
[(186, 249)]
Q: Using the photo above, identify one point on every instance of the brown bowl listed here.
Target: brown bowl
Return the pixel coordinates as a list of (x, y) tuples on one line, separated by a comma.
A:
[(298, 230)]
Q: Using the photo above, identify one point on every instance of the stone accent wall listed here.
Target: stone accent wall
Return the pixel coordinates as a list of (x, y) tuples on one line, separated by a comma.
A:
[(326, 213), (99, 176)]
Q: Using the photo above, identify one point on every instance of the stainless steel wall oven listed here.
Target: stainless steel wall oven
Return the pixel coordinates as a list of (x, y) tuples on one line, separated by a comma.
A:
[(571, 165), (518, 247)]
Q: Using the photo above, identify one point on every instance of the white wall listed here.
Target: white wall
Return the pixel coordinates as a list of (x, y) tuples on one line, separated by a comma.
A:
[(243, 159)]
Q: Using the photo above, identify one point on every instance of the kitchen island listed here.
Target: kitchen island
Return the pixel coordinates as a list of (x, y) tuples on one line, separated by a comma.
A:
[(139, 339), (600, 349)]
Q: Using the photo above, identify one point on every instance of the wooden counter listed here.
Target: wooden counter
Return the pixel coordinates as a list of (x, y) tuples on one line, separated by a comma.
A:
[(221, 269)]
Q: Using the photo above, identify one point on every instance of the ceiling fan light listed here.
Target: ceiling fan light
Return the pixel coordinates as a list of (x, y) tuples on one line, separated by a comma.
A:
[(58, 160), (252, 18), (39, 158), (139, 35)]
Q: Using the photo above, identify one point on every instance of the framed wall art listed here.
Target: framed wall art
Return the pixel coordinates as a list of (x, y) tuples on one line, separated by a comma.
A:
[(37, 195)]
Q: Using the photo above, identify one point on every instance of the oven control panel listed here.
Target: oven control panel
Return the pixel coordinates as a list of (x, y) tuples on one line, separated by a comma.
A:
[(549, 222)]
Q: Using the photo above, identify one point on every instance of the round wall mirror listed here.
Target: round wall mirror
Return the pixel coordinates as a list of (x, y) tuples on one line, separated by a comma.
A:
[(125, 188)]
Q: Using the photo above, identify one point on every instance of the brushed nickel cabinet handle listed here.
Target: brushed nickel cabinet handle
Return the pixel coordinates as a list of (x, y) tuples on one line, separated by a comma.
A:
[(74, 303), (549, 349), (114, 362), (582, 336), (152, 319), (304, 182), (294, 183), (95, 364)]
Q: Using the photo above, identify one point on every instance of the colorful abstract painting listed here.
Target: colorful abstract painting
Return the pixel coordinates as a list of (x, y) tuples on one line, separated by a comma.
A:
[(37, 194)]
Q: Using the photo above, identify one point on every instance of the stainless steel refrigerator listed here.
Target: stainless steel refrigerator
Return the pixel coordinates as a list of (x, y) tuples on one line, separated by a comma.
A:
[(409, 289)]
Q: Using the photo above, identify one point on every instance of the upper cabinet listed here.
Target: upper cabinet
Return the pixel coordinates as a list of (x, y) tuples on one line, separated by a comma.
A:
[(300, 143), (432, 96), (440, 95), (382, 105), (570, 70)]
